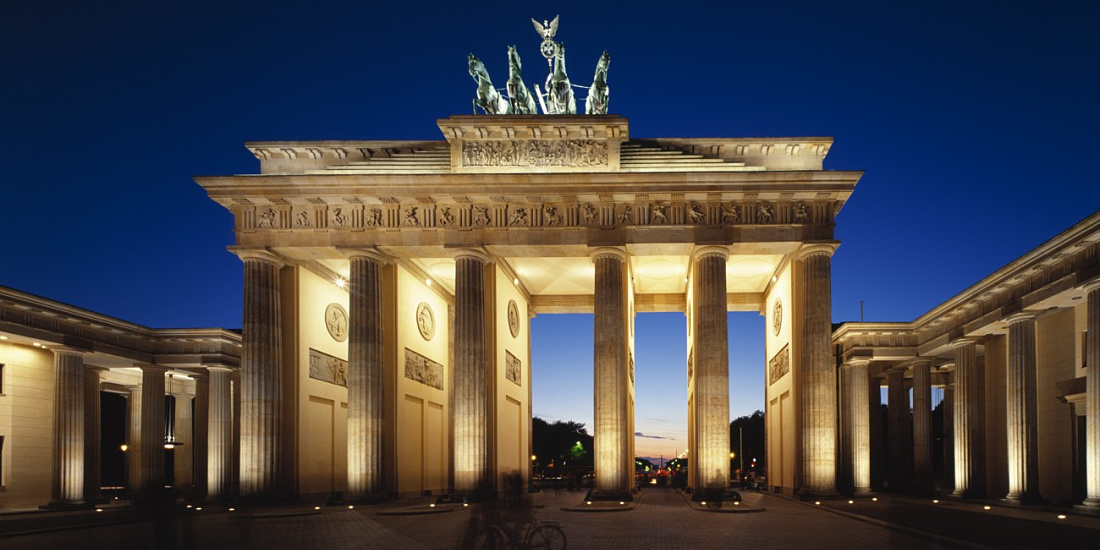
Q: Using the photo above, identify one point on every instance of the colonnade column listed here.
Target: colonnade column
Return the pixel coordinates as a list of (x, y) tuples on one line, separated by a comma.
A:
[(860, 412), (1022, 419), (68, 428), (898, 413), (261, 376), (365, 396), (1092, 397), (949, 426), (612, 420), (922, 427), (92, 434), (133, 441), (151, 450), (818, 373), (967, 418), (712, 400), (471, 375), (219, 458), (200, 444)]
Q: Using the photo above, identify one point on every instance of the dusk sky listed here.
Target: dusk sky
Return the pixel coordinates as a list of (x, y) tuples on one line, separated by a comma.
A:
[(976, 123)]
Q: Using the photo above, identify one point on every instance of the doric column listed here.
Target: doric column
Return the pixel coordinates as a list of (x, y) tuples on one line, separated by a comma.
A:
[(219, 458), (948, 426), (860, 413), (261, 376), (92, 434), (611, 374), (152, 430), (922, 427), (874, 408), (68, 428), (471, 375), (967, 418), (818, 373), (365, 396), (898, 412), (200, 446), (182, 422), (1022, 420), (845, 479), (134, 474), (1092, 397), (712, 402)]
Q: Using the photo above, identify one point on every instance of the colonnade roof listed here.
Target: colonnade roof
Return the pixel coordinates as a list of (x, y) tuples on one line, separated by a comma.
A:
[(1048, 279), (107, 342)]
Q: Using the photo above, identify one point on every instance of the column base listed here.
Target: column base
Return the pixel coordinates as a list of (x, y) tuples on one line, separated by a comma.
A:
[(1015, 499), (67, 505), (597, 495), (960, 494), (1090, 506)]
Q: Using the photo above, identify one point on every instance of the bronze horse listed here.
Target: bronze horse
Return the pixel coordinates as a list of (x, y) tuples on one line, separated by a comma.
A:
[(520, 100), (487, 98), (598, 94)]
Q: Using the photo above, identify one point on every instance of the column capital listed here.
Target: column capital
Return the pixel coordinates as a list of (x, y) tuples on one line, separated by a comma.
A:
[(961, 342), (145, 367), (67, 350), (701, 252), (858, 362), (1020, 316), (477, 253), (616, 251), (1091, 285), (94, 368), (370, 253), (817, 249), (914, 362), (216, 368), (261, 254)]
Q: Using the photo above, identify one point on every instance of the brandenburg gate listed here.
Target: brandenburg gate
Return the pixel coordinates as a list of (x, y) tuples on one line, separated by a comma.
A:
[(389, 287)]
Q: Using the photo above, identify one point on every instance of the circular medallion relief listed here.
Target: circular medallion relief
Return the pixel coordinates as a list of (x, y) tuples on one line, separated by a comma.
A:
[(336, 319), (513, 318), (425, 320), (777, 316)]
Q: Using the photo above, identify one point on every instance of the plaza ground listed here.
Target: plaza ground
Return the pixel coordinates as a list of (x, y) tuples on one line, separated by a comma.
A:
[(662, 518)]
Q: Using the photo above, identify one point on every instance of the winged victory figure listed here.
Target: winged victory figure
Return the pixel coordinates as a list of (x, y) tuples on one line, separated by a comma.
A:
[(547, 30)]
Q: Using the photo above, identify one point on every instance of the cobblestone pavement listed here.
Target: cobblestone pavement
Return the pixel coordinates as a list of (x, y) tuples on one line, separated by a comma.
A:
[(661, 519)]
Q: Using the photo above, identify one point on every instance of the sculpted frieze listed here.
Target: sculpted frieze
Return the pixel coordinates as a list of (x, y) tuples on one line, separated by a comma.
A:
[(326, 368), (421, 369), (576, 153), (779, 365), (524, 214), (513, 368)]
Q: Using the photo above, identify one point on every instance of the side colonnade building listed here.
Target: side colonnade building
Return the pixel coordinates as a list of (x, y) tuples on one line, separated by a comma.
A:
[(1017, 357), (57, 365)]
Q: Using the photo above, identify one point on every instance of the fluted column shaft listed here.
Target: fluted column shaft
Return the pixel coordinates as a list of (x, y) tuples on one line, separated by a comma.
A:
[(365, 396), (134, 474), (1022, 421), (949, 432), (1092, 397), (219, 458), (860, 439), (611, 375), (151, 449), (261, 378), (712, 403), (200, 447), (966, 418), (68, 428), (471, 376), (818, 374), (922, 427), (898, 412), (92, 434)]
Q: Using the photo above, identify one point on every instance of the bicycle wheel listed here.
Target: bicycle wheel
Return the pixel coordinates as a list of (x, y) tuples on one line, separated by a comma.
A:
[(491, 538), (550, 537)]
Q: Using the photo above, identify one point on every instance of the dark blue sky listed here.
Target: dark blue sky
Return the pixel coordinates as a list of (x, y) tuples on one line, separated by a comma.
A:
[(976, 123)]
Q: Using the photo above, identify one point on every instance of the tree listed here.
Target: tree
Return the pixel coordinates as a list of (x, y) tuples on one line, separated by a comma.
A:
[(750, 445), (561, 443)]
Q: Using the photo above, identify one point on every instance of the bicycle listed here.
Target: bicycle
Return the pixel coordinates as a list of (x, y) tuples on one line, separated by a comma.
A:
[(537, 534)]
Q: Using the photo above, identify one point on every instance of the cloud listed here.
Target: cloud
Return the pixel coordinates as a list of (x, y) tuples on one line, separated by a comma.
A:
[(640, 434)]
